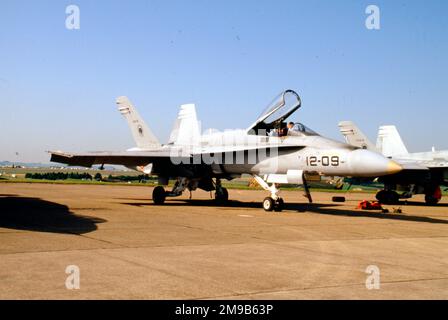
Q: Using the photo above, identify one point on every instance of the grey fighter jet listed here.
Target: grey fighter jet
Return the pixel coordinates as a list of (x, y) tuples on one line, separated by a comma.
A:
[(269, 151), (423, 172)]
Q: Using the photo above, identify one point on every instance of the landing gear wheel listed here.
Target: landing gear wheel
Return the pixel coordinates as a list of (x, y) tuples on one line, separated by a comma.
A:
[(268, 204), (431, 200), (387, 197), (159, 195), (279, 205), (433, 195), (221, 196)]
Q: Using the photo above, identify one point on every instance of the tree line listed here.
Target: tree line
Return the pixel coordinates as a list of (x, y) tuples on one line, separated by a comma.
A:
[(85, 176)]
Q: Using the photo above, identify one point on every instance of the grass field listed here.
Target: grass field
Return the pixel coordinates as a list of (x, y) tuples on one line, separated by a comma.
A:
[(17, 175)]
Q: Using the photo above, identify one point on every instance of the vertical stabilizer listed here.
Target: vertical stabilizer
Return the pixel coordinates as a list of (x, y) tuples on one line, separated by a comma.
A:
[(390, 143), (186, 130), (143, 136), (354, 136)]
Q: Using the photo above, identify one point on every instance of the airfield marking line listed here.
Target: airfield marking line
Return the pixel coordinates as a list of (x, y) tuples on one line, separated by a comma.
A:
[(101, 240), (314, 288), (119, 248), (54, 251)]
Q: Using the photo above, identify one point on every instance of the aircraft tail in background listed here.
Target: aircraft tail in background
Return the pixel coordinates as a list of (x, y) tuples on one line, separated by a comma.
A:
[(354, 136), (390, 143)]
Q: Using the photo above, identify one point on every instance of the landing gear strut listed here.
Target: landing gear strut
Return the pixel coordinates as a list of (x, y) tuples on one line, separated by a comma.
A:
[(274, 202), (159, 193)]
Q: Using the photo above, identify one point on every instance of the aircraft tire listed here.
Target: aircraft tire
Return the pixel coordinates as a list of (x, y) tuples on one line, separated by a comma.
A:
[(222, 196), (433, 195), (268, 204), (159, 195), (430, 200), (387, 197), (338, 199), (279, 205)]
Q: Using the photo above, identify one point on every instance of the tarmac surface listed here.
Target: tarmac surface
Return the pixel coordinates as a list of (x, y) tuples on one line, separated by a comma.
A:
[(128, 248)]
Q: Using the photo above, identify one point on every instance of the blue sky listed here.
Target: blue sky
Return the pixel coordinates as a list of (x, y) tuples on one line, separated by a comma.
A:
[(230, 58)]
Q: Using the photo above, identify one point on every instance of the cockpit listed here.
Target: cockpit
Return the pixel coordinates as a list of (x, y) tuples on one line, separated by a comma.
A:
[(300, 129), (272, 122)]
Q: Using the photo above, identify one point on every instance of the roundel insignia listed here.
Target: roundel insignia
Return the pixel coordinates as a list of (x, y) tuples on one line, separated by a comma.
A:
[(140, 130)]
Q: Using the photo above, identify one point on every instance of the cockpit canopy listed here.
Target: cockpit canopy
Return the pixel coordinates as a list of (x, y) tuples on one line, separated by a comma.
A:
[(272, 120), (301, 129)]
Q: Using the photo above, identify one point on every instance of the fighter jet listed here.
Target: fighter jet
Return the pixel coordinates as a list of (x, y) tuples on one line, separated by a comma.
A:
[(266, 149), (423, 172)]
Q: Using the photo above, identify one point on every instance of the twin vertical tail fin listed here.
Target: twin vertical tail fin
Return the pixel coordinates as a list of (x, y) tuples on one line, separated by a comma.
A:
[(186, 130), (143, 136), (354, 136), (390, 143)]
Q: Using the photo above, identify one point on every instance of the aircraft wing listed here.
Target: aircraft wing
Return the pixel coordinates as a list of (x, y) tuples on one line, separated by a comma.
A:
[(411, 165), (126, 158), (433, 163), (143, 158), (231, 148)]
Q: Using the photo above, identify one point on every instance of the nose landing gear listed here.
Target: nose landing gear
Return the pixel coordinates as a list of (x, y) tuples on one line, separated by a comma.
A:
[(274, 202), (270, 204)]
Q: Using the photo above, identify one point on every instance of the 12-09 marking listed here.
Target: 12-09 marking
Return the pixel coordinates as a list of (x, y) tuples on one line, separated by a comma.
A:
[(325, 161)]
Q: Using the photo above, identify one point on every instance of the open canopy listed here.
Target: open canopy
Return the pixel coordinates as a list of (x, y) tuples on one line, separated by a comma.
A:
[(275, 114), (277, 111)]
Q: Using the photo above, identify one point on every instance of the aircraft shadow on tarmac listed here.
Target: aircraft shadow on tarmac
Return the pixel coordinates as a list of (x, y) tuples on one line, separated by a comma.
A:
[(420, 204), (315, 208), (328, 209), (34, 214)]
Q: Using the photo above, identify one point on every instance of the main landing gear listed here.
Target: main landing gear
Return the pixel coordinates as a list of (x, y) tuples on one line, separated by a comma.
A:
[(159, 193), (388, 197), (433, 195), (221, 194)]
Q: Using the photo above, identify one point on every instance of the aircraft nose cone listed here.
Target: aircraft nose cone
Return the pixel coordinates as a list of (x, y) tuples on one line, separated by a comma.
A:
[(393, 167), (365, 163)]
